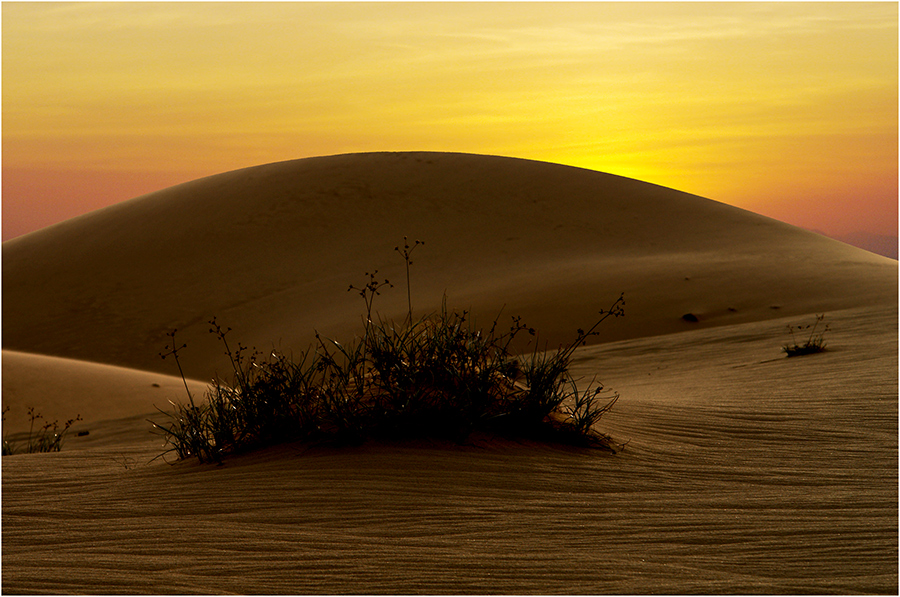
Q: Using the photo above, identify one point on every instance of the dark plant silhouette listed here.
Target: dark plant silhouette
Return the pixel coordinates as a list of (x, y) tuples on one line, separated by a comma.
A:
[(815, 342), (438, 377), (48, 437), (405, 252)]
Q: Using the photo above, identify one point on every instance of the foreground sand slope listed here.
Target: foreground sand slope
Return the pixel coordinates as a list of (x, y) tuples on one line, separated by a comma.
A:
[(271, 251), (745, 472)]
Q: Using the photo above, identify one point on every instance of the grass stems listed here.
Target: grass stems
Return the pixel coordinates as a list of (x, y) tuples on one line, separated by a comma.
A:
[(814, 343), (439, 377), (43, 437)]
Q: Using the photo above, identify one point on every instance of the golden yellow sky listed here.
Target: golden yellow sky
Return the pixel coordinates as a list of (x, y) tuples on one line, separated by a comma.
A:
[(789, 110)]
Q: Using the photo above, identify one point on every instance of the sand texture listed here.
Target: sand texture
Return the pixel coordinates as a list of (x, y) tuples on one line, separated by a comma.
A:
[(744, 471)]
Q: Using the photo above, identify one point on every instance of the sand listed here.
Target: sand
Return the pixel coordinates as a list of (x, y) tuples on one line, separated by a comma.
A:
[(744, 471)]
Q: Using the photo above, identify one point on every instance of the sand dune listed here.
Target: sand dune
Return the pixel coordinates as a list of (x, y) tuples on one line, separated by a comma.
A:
[(271, 251), (744, 472), (63, 388)]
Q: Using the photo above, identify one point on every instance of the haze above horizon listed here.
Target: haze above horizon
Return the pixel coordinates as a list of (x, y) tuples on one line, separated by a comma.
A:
[(788, 110)]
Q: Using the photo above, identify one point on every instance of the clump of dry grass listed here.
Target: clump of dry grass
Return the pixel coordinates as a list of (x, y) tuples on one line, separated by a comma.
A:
[(813, 344), (439, 377), (46, 437)]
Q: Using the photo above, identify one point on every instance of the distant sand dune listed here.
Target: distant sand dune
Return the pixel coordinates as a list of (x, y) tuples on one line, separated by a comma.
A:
[(271, 250), (60, 389)]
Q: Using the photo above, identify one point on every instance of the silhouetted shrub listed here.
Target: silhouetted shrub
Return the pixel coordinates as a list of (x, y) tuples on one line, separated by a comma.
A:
[(814, 343), (438, 377), (48, 437)]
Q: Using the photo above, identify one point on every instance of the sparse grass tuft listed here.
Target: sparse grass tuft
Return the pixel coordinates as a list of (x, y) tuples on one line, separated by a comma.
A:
[(438, 377), (814, 343), (48, 437)]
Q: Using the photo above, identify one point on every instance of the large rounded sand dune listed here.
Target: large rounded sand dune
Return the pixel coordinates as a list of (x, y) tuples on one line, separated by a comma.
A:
[(271, 251)]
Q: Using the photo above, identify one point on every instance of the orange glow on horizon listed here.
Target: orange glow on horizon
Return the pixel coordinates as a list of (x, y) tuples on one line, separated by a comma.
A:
[(787, 109)]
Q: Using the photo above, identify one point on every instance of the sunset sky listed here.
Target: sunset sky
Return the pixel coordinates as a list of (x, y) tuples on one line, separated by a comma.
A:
[(789, 110)]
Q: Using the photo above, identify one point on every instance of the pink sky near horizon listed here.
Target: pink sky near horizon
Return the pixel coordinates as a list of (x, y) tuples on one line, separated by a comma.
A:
[(785, 110)]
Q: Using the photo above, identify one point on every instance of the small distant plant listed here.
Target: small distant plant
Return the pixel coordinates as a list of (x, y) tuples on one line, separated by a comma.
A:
[(815, 342), (440, 376), (48, 437)]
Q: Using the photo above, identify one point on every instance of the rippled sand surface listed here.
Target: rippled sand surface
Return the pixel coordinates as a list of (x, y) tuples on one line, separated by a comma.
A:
[(745, 471)]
